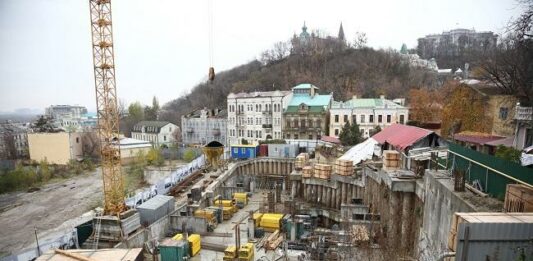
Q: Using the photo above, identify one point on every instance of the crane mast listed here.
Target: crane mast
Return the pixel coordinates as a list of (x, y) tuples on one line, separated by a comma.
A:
[(106, 105)]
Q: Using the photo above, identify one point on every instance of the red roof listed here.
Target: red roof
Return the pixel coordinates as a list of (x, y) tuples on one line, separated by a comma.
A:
[(330, 139), (401, 136), (477, 137)]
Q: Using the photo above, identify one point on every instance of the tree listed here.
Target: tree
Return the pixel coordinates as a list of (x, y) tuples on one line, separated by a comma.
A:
[(360, 40), (176, 134), (350, 134), (424, 105), (510, 65), (464, 111), (151, 113), (189, 155), (508, 153), (136, 112), (43, 124), (155, 157), (375, 130)]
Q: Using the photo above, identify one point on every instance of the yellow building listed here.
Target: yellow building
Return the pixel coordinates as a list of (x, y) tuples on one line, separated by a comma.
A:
[(56, 148), (130, 148)]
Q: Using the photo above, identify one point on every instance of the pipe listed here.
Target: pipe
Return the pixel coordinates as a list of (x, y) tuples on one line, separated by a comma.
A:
[(445, 255)]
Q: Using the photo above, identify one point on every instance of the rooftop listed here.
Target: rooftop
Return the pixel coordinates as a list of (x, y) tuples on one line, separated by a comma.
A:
[(259, 94), (315, 100), (401, 136), (357, 103), (477, 137)]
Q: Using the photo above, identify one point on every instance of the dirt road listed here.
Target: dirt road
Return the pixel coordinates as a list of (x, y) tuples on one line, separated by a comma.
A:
[(46, 209)]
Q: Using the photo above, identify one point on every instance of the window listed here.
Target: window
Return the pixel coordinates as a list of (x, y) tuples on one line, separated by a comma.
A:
[(336, 118), (302, 123), (295, 136), (310, 136), (165, 138), (77, 139), (362, 120), (345, 118), (503, 113), (336, 132), (169, 129), (529, 138), (371, 118), (380, 118), (402, 119), (388, 118)]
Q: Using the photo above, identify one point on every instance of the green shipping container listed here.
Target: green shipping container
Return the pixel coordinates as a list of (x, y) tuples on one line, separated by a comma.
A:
[(173, 250)]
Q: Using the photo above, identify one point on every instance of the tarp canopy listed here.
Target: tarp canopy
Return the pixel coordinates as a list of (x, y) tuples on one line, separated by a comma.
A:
[(361, 151), (526, 158)]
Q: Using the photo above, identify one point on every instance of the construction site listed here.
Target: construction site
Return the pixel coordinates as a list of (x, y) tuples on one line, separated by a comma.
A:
[(399, 195)]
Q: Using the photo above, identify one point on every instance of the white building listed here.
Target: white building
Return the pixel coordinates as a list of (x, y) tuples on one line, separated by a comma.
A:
[(367, 113), (159, 133), (256, 116), (203, 126)]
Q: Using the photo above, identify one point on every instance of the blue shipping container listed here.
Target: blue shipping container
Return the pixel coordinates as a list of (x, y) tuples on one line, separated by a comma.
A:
[(244, 151)]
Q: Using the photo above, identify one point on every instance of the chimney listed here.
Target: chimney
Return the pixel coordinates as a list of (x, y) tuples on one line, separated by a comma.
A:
[(382, 97), (354, 97)]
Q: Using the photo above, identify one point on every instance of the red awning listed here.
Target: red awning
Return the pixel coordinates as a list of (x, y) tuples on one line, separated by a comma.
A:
[(401, 136)]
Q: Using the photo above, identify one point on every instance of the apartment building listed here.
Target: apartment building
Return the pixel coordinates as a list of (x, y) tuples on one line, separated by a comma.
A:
[(203, 126), (256, 116), (159, 133), (367, 113)]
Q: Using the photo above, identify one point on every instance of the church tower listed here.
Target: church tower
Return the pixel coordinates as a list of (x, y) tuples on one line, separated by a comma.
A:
[(341, 34)]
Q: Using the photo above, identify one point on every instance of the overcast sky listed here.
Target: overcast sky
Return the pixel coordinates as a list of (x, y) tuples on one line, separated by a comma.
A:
[(161, 46)]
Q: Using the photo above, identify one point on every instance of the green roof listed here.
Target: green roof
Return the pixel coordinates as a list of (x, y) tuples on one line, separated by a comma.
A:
[(304, 86), (365, 103), (316, 100)]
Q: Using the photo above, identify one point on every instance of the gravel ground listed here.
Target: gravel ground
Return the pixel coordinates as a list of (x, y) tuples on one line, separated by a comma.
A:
[(49, 210)]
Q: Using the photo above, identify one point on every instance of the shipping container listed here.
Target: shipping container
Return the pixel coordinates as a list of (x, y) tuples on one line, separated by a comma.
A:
[(282, 150), (156, 208), (263, 150), (173, 250), (244, 151)]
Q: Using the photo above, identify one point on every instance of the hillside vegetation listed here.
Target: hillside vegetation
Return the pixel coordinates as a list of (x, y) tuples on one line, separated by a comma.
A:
[(349, 71)]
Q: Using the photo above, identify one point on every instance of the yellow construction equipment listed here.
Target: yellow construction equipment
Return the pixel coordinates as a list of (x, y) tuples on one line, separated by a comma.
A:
[(241, 199), (271, 221), (106, 105), (194, 243), (246, 252), (230, 254), (226, 203)]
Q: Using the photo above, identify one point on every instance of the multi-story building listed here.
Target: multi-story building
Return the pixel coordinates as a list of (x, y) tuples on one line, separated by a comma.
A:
[(455, 42), (256, 116), (71, 117), (367, 113), (65, 111), (13, 141), (523, 137), (159, 133), (203, 126), (56, 148), (306, 117)]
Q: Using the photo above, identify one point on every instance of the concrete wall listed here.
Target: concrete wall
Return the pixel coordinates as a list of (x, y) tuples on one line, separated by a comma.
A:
[(440, 203), (56, 148)]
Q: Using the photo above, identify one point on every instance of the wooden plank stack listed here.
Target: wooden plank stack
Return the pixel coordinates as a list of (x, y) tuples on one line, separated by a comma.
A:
[(518, 198), (391, 160), (344, 167), (307, 172), (301, 160), (322, 171)]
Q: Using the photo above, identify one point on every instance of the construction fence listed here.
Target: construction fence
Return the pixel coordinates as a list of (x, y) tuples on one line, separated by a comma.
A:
[(487, 173)]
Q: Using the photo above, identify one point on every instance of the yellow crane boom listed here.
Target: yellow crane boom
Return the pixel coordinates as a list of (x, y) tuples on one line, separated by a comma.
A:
[(106, 105)]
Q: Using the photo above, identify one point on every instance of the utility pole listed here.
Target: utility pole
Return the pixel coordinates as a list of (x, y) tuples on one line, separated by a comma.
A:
[(37, 240)]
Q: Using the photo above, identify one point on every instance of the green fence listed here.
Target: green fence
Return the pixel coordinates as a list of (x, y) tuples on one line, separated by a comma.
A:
[(492, 173)]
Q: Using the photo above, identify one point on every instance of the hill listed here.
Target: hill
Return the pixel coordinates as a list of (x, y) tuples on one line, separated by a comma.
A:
[(364, 72)]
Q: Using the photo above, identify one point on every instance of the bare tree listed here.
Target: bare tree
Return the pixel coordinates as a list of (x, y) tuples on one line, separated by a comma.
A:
[(91, 144), (509, 66), (360, 40)]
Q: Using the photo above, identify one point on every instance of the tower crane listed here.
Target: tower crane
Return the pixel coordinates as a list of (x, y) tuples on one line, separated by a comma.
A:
[(106, 105)]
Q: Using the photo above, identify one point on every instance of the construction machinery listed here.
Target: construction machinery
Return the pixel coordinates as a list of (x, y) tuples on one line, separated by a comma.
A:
[(230, 254), (106, 105), (246, 252)]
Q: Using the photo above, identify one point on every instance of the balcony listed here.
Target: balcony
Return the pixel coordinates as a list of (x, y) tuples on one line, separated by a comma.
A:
[(190, 130), (216, 132), (267, 112), (239, 112), (267, 126), (524, 113)]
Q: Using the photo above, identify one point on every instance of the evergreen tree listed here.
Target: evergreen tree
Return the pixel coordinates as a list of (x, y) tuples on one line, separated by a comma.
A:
[(356, 135), (345, 134)]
